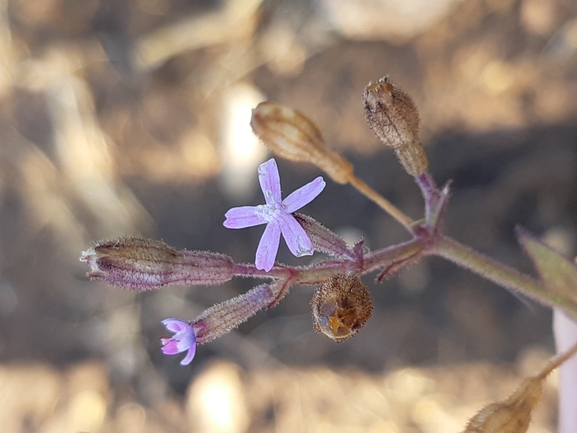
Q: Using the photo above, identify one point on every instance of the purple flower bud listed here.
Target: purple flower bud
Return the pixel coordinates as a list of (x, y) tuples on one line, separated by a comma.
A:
[(144, 264), (183, 340), (222, 318)]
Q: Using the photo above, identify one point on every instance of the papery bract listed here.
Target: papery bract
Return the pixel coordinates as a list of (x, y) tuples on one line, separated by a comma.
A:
[(277, 215)]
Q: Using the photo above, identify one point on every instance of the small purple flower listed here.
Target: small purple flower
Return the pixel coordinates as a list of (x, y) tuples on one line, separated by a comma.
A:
[(277, 215), (183, 339)]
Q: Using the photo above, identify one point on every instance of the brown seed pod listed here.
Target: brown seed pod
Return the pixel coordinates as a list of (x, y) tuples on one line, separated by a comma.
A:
[(341, 306), (514, 414), (394, 118), (291, 135)]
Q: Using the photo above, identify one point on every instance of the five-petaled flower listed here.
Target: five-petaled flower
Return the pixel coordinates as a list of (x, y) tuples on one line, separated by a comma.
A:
[(184, 339), (277, 215)]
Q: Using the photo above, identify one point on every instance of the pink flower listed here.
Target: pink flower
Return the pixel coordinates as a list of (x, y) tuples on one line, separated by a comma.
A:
[(184, 339), (277, 215)]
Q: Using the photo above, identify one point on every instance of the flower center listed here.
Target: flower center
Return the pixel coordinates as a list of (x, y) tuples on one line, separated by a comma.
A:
[(269, 212)]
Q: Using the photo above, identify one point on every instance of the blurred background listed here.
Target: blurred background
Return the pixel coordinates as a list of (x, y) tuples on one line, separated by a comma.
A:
[(131, 117)]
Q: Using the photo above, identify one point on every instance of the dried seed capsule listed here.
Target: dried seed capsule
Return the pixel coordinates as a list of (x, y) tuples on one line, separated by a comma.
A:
[(293, 136), (394, 118), (511, 416), (514, 414), (341, 306)]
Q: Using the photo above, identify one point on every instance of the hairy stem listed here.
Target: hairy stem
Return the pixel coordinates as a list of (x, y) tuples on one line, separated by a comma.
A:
[(429, 191), (497, 272), (371, 262), (319, 272), (393, 254)]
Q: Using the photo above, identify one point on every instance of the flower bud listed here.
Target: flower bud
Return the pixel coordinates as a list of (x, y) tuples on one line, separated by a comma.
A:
[(341, 306), (394, 118), (224, 317), (293, 136), (144, 264)]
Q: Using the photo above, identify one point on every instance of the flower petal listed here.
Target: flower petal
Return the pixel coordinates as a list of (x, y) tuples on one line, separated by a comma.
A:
[(184, 340), (268, 247), (277, 215), (295, 236), (169, 346), (242, 217), (304, 195), (175, 325), (269, 180), (189, 356)]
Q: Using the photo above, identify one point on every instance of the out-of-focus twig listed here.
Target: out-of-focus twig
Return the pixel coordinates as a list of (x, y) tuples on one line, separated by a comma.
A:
[(236, 20), (6, 48), (82, 162), (82, 148), (40, 186)]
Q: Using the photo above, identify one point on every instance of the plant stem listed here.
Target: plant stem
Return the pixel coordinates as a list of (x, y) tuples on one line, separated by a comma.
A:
[(383, 203), (374, 260), (429, 191), (393, 254), (497, 272)]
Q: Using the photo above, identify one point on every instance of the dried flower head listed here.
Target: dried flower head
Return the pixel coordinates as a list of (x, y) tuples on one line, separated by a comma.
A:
[(394, 118), (341, 306), (293, 136)]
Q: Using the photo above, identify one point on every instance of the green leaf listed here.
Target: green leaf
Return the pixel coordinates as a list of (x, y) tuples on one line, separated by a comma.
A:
[(558, 274)]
